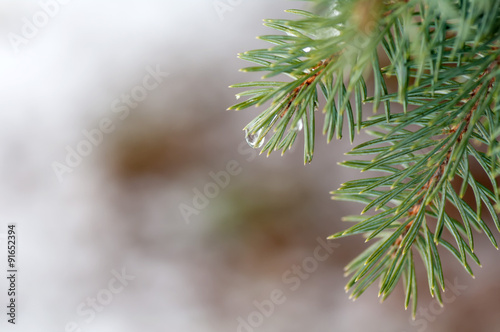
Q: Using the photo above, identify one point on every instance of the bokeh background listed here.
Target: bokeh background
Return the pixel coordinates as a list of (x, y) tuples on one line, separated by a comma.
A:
[(120, 207)]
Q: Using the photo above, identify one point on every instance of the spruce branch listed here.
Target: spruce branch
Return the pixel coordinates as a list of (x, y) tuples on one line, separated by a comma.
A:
[(445, 57)]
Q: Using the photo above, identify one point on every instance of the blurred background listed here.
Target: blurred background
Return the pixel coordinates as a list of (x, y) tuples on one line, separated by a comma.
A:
[(101, 185)]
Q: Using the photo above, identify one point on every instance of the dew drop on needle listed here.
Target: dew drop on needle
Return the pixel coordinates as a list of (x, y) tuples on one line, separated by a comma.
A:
[(299, 126), (253, 138)]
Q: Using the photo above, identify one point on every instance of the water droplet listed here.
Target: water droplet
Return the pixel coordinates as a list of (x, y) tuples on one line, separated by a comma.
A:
[(299, 126), (253, 138)]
